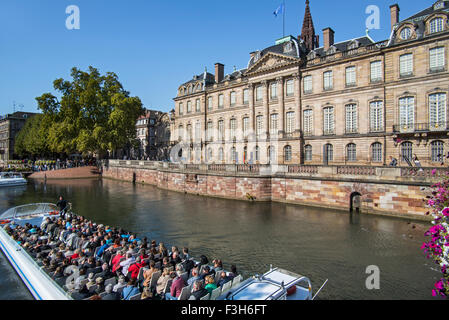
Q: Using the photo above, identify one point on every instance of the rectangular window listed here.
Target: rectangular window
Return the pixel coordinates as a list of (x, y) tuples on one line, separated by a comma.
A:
[(259, 125), (308, 122), (233, 127), (198, 105), (437, 111), (220, 130), (259, 93), (290, 88), (245, 96), (328, 80), (198, 131), (189, 106), (376, 116), (406, 64), (407, 113), (328, 121), (220, 101), (290, 123), (245, 127), (376, 71), (210, 127), (437, 60), (210, 104), (308, 84), (233, 98), (351, 118), (274, 124), (350, 76), (181, 109), (274, 90)]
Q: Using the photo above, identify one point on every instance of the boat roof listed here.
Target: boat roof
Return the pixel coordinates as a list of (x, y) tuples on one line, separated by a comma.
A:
[(271, 286), (29, 210)]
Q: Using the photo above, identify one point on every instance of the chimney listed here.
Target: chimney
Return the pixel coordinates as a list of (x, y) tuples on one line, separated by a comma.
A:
[(219, 72), (328, 38), (394, 12)]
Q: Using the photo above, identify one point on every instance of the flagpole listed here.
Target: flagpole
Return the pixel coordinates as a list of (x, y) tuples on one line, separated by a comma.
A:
[(283, 23)]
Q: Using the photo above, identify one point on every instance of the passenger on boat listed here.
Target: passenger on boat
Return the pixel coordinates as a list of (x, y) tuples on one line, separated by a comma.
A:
[(206, 272), (120, 285), (110, 294), (130, 290), (223, 279), (233, 272), (176, 286), (210, 285), (194, 276), (198, 290), (62, 205), (147, 274), (162, 281), (125, 264), (135, 268)]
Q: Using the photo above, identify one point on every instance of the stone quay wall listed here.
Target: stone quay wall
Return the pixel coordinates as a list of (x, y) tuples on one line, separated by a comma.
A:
[(381, 190)]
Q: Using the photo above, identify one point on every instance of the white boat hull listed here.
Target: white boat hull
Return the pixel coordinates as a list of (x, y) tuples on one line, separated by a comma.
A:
[(12, 182), (41, 286)]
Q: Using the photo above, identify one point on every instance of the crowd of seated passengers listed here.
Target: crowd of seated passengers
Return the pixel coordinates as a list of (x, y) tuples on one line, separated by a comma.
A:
[(99, 253)]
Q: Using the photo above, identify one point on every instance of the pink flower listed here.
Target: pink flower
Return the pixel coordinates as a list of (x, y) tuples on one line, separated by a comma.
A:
[(434, 172), (445, 212)]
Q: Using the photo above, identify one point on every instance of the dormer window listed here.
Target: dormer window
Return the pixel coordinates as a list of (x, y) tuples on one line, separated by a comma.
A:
[(332, 50), (436, 25), (311, 55), (439, 5), (406, 33), (288, 47), (353, 45)]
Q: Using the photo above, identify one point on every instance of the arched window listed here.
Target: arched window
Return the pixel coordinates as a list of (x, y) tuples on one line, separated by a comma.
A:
[(308, 153), (437, 151), (406, 33), (220, 155), (406, 151), (287, 153), (436, 25), (376, 152), (351, 152)]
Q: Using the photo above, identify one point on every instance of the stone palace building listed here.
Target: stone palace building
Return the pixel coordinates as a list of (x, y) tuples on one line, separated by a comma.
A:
[(355, 102)]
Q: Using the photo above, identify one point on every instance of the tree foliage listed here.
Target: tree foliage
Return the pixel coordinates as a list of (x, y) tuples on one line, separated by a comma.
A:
[(94, 114)]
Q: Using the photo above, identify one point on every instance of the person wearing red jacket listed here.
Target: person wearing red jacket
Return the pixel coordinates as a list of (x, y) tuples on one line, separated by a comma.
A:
[(116, 261), (135, 268)]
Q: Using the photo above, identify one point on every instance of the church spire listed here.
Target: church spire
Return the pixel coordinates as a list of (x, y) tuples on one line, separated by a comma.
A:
[(308, 30)]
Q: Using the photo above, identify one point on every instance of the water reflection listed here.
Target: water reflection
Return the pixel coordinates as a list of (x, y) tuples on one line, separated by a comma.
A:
[(320, 243)]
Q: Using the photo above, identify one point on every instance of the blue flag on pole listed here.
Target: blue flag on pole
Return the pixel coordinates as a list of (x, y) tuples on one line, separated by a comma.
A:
[(279, 10)]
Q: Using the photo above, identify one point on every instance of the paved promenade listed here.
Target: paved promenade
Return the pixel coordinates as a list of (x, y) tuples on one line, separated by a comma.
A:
[(72, 173)]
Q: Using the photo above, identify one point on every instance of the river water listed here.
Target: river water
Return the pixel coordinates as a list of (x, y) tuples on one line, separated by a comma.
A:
[(319, 243)]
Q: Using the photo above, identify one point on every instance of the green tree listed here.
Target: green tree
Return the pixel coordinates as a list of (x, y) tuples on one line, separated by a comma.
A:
[(32, 139), (94, 114)]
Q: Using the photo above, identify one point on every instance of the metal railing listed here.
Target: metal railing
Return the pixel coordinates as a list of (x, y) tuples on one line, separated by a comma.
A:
[(420, 127)]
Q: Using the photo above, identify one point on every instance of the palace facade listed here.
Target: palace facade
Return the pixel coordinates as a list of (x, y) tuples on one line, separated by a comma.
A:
[(356, 102)]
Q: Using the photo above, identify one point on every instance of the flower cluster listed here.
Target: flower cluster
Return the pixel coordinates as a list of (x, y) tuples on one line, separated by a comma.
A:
[(437, 247)]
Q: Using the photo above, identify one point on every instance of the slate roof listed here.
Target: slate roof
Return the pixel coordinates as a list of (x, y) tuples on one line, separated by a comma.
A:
[(344, 45)]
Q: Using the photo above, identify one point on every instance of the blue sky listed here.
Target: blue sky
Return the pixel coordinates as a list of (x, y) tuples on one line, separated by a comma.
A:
[(154, 46)]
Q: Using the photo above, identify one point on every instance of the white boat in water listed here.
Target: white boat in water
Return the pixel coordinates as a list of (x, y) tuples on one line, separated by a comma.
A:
[(276, 284), (11, 179)]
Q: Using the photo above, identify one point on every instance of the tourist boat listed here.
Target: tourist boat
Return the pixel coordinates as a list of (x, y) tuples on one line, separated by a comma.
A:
[(11, 179), (276, 284)]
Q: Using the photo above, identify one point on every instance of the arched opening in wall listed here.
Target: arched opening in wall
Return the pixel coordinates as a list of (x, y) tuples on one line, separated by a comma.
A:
[(134, 177), (355, 203)]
